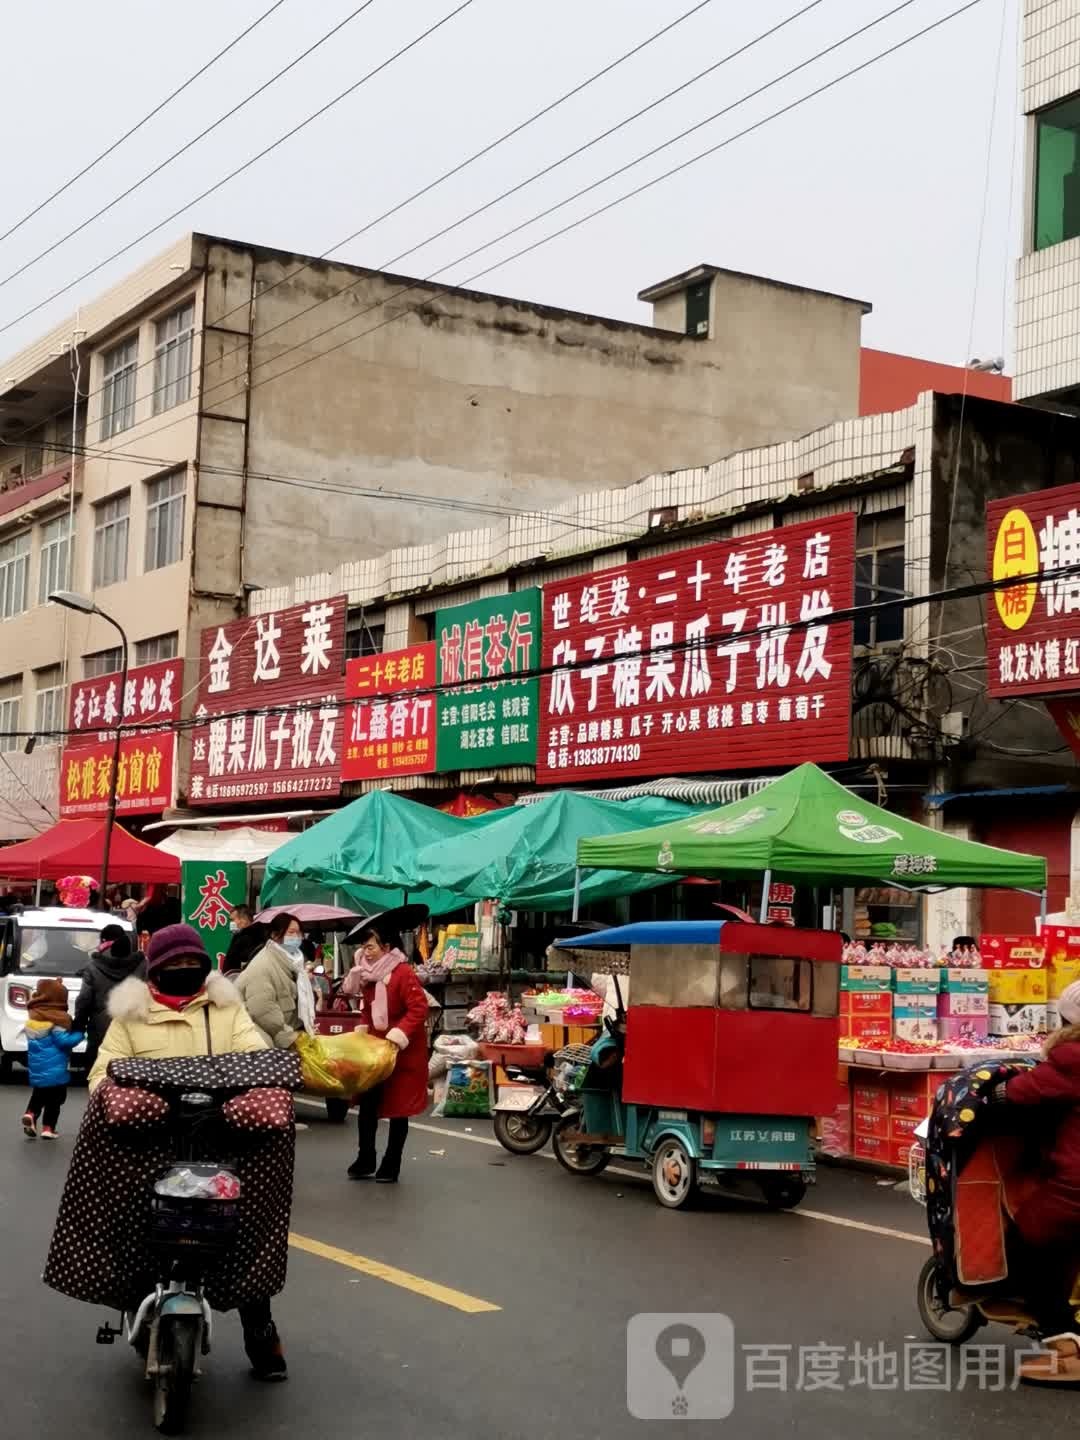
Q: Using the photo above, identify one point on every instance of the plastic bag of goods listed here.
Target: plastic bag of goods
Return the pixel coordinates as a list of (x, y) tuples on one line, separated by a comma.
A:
[(457, 1047), (341, 1066), (468, 1088)]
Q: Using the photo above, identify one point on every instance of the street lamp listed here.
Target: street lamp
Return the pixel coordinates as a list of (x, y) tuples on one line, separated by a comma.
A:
[(72, 600)]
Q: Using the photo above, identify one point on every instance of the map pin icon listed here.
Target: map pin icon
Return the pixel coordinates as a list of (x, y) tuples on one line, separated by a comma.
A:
[(680, 1349)]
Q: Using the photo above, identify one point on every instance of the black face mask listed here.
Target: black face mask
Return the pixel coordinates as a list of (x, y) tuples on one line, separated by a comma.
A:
[(180, 982)]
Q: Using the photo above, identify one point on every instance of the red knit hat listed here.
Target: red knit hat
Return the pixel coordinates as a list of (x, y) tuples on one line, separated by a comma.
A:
[(175, 942)]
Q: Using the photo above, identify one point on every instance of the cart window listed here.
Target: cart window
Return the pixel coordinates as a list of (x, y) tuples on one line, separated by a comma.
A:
[(734, 981), (777, 983)]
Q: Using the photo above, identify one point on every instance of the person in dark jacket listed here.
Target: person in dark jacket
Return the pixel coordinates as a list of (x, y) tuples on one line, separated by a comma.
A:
[(114, 960), (1049, 1221), (248, 939)]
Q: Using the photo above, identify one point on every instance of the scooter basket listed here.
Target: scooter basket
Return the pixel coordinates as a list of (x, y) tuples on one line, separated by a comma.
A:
[(181, 1223), (917, 1173)]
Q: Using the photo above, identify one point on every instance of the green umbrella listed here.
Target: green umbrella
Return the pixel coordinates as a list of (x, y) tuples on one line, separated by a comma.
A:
[(806, 828)]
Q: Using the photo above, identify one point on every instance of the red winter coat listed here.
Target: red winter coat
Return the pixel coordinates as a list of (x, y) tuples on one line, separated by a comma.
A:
[(1052, 1214), (406, 1092)]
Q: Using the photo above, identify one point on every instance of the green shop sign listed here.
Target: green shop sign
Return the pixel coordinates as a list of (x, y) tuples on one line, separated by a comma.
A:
[(482, 724), (211, 890)]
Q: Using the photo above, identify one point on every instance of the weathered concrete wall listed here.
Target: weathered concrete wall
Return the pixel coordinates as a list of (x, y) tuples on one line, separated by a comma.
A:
[(498, 403), (1003, 450)]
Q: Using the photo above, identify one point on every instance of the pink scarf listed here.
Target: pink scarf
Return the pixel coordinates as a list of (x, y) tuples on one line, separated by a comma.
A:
[(374, 972)]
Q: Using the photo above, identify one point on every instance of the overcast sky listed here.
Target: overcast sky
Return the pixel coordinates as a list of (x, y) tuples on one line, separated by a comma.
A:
[(874, 189)]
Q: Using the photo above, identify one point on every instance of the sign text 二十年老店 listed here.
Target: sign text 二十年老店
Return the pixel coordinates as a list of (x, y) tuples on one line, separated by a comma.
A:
[(686, 662), (144, 775), (485, 717), (270, 706), (390, 724), (1033, 626)]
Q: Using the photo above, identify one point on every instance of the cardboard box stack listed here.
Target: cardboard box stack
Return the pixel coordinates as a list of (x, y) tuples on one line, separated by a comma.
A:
[(866, 1003), (1018, 991), (1062, 967), (886, 1109), (915, 1004), (963, 1005)]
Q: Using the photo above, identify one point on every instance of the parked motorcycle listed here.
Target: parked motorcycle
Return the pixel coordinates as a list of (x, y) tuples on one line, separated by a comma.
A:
[(528, 1109)]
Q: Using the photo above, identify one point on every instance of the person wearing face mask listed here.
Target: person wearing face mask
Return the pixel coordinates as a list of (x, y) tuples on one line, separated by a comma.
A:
[(275, 986), (182, 1009), (248, 938)]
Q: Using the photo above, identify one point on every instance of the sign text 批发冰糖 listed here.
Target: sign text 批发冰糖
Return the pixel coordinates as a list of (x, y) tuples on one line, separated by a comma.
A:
[(688, 661), (1033, 625), (270, 705)]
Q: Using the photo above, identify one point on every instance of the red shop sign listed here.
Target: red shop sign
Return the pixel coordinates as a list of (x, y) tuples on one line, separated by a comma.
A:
[(144, 778), (270, 698), (151, 697), (393, 731), (1033, 626), (655, 667)]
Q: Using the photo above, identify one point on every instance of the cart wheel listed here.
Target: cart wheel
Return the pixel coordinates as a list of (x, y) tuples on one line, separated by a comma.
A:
[(674, 1175), (337, 1111), (578, 1159), (951, 1327), (783, 1192)]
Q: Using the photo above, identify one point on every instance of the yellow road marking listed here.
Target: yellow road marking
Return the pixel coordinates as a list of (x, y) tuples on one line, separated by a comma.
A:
[(430, 1289)]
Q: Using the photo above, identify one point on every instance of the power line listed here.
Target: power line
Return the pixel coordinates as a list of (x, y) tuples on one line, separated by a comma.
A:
[(487, 149), (253, 159), (836, 617), (188, 145), (610, 205), (140, 123)]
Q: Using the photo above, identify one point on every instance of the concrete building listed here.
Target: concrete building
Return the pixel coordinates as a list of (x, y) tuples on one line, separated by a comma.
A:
[(1048, 274), (221, 381)]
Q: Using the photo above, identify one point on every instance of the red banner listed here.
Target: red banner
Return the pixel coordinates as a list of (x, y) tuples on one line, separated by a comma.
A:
[(144, 778), (151, 697), (270, 694), (1033, 627), (394, 732), (658, 667)]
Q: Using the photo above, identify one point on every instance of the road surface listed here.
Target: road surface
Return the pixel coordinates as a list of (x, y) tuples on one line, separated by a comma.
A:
[(489, 1296)]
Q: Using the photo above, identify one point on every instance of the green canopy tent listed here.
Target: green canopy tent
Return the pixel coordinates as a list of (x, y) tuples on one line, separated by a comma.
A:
[(365, 856), (808, 829), (526, 855)]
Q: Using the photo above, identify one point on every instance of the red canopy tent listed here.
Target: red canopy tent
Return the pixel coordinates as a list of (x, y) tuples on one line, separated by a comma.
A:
[(74, 847)]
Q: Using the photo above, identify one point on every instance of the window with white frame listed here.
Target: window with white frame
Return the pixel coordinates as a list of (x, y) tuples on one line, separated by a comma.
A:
[(111, 520), (118, 387), (14, 573), (165, 519), (49, 701), (102, 662), (158, 647), (172, 358), (55, 548), (10, 706)]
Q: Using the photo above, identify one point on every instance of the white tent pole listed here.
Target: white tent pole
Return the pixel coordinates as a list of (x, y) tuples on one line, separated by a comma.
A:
[(766, 885), (577, 893)]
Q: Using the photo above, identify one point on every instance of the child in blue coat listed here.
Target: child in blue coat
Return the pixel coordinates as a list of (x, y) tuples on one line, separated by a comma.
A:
[(49, 1042)]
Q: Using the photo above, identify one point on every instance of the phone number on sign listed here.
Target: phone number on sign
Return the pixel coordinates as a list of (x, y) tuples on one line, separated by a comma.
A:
[(594, 755)]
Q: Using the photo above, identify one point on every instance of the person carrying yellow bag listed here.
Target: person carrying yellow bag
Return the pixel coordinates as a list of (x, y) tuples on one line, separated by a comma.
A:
[(343, 1066)]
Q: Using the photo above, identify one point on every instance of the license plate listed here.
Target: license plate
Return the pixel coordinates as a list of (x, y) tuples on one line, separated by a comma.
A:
[(518, 1099)]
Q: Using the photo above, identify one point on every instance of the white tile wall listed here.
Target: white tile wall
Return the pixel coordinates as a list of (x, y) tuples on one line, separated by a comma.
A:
[(569, 535)]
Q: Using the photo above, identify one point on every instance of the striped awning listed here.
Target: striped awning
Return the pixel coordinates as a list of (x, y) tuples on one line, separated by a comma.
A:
[(690, 792)]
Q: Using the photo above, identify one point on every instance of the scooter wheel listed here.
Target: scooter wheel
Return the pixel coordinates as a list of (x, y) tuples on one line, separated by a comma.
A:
[(521, 1134), (951, 1327), (178, 1345)]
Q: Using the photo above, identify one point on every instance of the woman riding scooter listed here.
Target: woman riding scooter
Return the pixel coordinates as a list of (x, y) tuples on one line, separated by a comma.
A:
[(1048, 1222)]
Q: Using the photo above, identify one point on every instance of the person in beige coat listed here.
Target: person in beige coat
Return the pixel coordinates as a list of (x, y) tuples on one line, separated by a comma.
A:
[(268, 987)]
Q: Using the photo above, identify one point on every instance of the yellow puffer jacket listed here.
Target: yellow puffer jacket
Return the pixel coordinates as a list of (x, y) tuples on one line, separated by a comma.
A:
[(143, 1027)]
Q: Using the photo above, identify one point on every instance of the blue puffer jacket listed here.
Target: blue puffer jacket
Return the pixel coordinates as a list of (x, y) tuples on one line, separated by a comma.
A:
[(47, 1051)]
